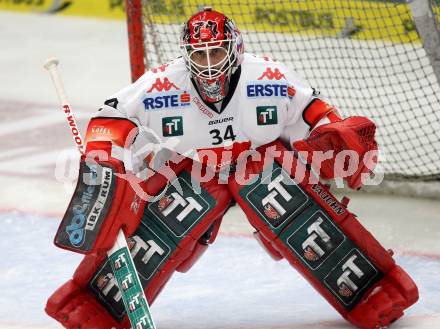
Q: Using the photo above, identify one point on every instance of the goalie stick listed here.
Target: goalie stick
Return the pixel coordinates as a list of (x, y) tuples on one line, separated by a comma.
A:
[(122, 264)]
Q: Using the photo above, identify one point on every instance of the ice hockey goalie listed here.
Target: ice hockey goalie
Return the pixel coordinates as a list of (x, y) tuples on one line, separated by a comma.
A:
[(241, 129)]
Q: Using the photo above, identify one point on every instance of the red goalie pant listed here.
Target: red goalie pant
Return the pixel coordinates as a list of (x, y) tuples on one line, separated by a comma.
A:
[(306, 225), (174, 231)]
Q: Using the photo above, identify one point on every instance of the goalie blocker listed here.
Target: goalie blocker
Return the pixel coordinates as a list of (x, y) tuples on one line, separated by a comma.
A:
[(305, 224), (100, 206)]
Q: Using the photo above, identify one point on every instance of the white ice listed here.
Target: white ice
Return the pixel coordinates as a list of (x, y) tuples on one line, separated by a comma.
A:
[(235, 285)]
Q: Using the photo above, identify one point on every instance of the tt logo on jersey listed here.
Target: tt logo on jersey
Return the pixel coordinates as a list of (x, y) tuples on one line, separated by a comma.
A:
[(272, 83), (166, 95), (267, 115), (172, 126)]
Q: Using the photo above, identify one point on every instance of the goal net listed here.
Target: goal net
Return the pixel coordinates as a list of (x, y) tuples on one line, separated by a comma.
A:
[(379, 59)]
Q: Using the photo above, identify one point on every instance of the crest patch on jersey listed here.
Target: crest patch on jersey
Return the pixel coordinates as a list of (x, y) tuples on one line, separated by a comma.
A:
[(267, 115)]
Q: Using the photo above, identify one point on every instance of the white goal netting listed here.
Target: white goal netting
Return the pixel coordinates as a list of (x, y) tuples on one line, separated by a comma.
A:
[(371, 58)]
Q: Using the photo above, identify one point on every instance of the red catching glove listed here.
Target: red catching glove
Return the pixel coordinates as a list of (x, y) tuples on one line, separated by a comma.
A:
[(344, 149)]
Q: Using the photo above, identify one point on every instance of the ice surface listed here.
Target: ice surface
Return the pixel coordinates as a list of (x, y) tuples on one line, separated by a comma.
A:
[(234, 285)]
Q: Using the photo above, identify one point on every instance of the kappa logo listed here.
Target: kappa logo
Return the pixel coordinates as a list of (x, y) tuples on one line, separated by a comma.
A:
[(165, 85), (159, 69), (272, 74), (274, 89)]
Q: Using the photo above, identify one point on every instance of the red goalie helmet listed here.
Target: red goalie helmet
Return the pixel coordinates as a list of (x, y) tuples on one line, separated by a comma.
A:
[(213, 49)]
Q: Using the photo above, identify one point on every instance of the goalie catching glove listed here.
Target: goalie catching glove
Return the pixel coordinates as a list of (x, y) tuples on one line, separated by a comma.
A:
[(342, 149)]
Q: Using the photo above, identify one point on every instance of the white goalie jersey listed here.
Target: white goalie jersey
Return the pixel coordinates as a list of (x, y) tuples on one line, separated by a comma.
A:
[(266, 101)]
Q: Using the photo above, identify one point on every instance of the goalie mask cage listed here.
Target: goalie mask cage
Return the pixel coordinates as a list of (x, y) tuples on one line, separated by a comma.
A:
[(379, 59)]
